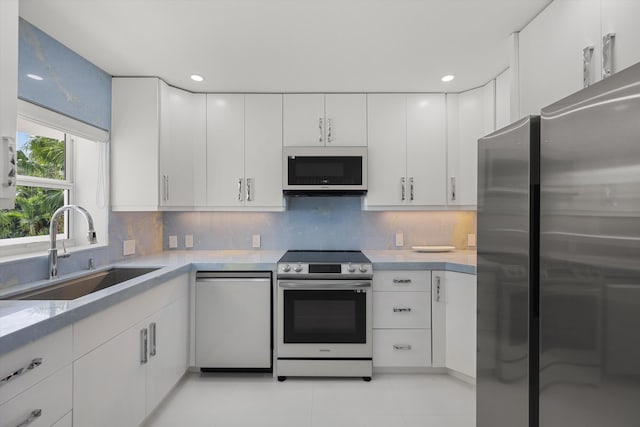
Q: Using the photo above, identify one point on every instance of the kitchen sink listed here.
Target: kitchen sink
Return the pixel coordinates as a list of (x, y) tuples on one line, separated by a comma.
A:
[(81, 286)]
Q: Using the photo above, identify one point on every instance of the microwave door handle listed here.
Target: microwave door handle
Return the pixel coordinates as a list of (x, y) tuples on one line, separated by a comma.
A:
[(321, 130)]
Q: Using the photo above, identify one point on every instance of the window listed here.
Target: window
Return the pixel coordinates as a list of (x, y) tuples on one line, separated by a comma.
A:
[(54, 168), (43, 184)]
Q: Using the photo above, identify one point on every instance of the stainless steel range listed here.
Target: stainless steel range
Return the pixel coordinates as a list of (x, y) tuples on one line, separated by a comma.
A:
[(324, 314)]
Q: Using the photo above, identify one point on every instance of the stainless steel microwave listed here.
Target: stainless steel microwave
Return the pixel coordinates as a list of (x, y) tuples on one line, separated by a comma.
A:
[(314, 171)]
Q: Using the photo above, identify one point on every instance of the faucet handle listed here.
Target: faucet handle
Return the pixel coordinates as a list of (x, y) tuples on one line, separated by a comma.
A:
[(65, 254)]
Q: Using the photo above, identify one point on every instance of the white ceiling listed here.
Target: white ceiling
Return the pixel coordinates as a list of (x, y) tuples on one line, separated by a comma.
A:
[(291, 45)]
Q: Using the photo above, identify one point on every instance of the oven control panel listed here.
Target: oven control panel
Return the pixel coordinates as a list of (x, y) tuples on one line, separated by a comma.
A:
[(324, 269)]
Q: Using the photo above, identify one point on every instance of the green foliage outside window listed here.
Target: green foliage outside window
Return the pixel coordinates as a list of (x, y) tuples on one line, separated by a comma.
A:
[(43, 158)]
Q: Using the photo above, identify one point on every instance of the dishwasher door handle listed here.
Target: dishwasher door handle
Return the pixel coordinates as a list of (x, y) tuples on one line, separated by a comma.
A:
[(350, 285), (230, 279)]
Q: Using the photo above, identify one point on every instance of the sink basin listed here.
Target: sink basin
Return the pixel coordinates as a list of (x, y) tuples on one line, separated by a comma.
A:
[(81, 286)]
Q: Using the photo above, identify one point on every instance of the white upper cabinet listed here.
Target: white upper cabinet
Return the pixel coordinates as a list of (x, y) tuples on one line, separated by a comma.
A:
[(346, 119), (325, 120), (426, 149), (471, 115), (182, 147), (244, 151), (387, 149), (8, 101), (503, 99), (621, 17), (263, 150), (407, 150), (551, 52), (157, 146), (225, 150)]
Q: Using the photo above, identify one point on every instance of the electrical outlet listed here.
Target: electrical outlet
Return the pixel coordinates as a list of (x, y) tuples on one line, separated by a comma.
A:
[(255, 241), (471, 240), (128, 247), (173, 242), (188, 241), (399, 239)]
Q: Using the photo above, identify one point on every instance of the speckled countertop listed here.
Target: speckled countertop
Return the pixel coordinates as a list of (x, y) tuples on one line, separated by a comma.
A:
[(22, 322)]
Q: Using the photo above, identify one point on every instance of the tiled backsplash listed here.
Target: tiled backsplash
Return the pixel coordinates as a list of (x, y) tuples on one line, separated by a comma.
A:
[(320, 223), (143, 227)]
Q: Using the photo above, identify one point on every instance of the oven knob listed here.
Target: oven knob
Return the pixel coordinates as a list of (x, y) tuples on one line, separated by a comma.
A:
[(351, 268), (363, 268), (297, 268), (286, 268)]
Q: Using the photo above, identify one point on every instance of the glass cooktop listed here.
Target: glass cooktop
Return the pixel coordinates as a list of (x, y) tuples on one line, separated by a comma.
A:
[(319, 256)]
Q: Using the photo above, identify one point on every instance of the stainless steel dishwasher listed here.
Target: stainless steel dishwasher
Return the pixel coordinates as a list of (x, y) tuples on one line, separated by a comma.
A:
[(233, 313)]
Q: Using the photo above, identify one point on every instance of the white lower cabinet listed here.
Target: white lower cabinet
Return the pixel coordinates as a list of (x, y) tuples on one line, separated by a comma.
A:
[(402, 319), (109, 383), (455, 311), (402, 347), (66, 421), (168, 351), (44, 404), (121, 380)]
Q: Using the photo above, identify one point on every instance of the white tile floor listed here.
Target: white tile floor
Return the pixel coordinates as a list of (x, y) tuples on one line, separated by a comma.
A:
[(216, 400)]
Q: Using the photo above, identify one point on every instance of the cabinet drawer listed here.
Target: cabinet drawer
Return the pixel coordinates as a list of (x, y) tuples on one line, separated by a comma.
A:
[(33, 362), (95, 330), (402, 347), (402, 310), (46, 402), (404, 281)]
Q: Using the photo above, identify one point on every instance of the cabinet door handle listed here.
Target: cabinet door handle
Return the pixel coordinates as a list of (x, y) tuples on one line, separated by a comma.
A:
[(36, 413), (329, 130), (401, 281), (167, 188), (453, 188), (249, 185), (438, 287), (411, 188), (402, 309), (23, 370), (587, 56), (402, 346), (403, 182), (320, 128), (152, 332), (607, 54), (143, 346), (240, 189), (9, 148)]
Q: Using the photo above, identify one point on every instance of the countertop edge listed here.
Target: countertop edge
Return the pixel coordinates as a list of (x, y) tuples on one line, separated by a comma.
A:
[(97, 302)]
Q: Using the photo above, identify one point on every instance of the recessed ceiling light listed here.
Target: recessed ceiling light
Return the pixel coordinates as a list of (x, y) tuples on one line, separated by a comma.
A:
[(35, 77), (196, 78), (448, 78)]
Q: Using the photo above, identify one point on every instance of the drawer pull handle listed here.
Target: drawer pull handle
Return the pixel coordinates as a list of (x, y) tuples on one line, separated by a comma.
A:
[(402, 346), (26, 368), (36, 413), (401, 309), (401, 281)]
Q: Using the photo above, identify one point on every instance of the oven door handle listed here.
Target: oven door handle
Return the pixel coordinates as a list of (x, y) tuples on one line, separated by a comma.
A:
[(350, 285)]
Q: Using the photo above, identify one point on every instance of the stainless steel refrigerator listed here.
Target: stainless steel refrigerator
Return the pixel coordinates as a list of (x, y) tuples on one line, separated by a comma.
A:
[(559, 263)]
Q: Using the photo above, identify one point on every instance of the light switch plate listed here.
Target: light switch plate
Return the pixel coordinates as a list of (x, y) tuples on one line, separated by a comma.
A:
[(255, 241), (173, 242), (471, 240), (399, 240), (128, 247), (188, 240)]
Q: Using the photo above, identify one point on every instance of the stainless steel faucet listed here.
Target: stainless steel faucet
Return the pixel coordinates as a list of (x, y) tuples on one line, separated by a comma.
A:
[(53, 227)]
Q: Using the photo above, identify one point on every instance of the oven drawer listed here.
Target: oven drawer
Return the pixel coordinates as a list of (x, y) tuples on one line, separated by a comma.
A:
[(402, 347), (402, 280), (402, 309)]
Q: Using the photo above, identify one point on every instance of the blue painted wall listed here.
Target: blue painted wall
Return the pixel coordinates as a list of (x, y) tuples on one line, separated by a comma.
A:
[(319, 223), (70, 84), (74, 87)]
